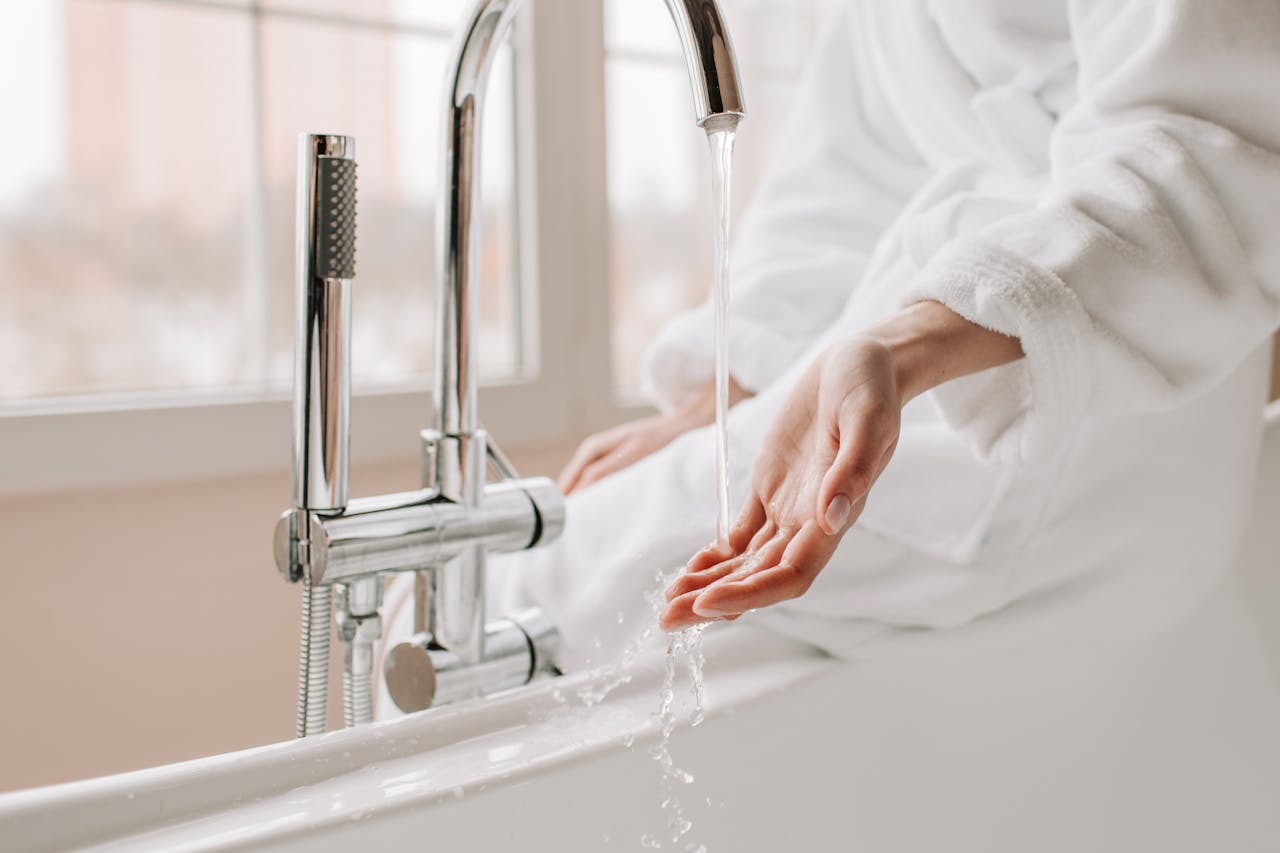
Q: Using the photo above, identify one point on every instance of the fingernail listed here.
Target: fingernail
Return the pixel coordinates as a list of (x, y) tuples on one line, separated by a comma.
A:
[(838, 512), (708, 612)]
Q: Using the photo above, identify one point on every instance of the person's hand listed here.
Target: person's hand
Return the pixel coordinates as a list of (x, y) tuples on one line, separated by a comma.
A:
[(829, 444), (612, 450)]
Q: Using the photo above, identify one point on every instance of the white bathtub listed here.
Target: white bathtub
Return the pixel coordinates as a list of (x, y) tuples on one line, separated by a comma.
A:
[(1171, 745)]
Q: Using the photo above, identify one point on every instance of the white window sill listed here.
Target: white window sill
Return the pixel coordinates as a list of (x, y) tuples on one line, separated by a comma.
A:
[(115, 442)]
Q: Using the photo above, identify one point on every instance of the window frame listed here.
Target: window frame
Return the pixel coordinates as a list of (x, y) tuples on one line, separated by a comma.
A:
[(562, 259)]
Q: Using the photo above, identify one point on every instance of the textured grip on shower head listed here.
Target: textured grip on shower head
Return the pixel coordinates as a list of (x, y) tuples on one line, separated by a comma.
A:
[(336, 218)]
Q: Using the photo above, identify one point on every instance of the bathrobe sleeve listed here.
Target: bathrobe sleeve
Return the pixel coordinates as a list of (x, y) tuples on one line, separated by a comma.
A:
[(840, 173), (1149, 267)]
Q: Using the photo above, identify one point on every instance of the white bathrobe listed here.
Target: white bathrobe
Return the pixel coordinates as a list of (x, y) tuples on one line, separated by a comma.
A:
[(1099, 178)]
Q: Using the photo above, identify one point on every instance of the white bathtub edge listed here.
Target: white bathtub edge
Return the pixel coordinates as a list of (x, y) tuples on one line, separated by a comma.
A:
[(243, 798)]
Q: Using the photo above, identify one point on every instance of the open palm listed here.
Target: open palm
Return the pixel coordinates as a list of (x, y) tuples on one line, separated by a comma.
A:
[(829, 444)]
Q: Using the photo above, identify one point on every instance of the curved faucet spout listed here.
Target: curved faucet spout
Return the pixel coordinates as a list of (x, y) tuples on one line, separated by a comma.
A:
[(474, 51), (717, 99), (713, 65), (456, 452)]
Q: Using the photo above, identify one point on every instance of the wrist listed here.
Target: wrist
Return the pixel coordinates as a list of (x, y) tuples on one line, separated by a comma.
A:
[(910, 349), (929, 344)]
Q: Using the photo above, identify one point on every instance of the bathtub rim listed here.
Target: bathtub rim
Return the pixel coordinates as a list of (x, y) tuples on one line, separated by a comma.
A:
[(749, 665)]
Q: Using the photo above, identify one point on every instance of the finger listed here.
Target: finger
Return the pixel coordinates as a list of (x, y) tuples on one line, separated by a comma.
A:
[(712, 555), (761, 589), (752, 518), (711, 573), (764, 556), (679, 615), (594, 472), (861, 458), (589, 451), (811, 550), (766, 533), (786, 573), (697, 581), (611, 463)]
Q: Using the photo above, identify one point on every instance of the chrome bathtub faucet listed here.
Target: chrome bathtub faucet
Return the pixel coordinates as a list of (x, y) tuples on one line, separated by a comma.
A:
[(328, 541), (443, 532)]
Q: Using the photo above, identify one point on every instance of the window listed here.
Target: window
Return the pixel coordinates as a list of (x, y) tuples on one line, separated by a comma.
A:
[(659, 177), (146, 217), (146, 198)]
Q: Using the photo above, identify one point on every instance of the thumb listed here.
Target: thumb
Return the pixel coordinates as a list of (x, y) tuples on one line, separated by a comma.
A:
[(844, 488)]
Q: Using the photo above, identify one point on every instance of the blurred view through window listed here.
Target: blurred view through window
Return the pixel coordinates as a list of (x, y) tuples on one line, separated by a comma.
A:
[(147, 186), (659, 176)]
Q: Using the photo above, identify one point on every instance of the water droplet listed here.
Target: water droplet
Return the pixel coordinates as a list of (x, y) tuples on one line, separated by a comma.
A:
[(649, 842), (458, 792)]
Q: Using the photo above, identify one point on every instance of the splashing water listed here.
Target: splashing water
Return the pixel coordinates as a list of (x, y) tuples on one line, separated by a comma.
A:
[(697, 659), (615, 675), (688, 642)]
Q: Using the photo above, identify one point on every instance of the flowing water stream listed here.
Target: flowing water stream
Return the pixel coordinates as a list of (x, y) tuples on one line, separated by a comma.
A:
[(721, 183), (689, 642)]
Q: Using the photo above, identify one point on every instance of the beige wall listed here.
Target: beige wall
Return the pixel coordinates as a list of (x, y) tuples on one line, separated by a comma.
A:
[(147, 625)]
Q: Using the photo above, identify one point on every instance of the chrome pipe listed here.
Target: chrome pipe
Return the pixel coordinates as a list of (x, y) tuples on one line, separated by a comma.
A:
[(360, 626), (455, 389), (415, 531), (458, 586), (457, 589)]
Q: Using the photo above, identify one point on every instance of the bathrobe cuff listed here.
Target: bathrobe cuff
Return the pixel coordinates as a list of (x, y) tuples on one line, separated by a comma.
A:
[(681, 361), (1023, 411)]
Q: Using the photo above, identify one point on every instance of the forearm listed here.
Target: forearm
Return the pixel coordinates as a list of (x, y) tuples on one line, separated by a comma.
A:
[(930, 344)]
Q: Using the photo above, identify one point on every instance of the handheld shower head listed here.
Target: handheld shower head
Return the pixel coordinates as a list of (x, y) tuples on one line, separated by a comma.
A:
[(326, 255), (336, 218)]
